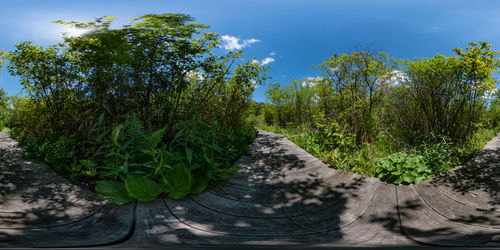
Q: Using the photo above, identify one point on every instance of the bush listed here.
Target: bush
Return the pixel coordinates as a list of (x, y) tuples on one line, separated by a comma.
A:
[(139, 166), (439, 152), (445, 95), (269, 114), (117, 105)]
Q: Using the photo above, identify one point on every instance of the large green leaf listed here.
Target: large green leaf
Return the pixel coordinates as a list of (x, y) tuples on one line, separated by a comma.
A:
[(142, 187), (180, 179), (200, 184), (165, 184), (113, 191), (226, 173)]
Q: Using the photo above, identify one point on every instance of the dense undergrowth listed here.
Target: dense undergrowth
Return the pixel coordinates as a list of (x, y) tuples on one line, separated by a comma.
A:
[(152, 108), (400, 121), (383, 160)]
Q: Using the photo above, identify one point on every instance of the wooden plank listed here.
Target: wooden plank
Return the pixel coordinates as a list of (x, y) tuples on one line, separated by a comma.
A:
[(422, 224), (457, 211), (109, 225)]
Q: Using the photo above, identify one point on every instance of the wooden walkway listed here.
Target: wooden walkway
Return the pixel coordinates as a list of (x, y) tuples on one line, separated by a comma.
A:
[(281, 196)]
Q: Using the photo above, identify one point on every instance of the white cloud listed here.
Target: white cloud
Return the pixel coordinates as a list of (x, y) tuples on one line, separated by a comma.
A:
[(250, 41), (74, 32), (272, 53), (267, 60), (233, 43), (311, 81), (397, 77)]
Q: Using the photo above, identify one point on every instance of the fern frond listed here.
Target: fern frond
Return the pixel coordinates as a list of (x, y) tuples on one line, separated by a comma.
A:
[(135, 128), (90, 167), (115, 134), (153, 140)]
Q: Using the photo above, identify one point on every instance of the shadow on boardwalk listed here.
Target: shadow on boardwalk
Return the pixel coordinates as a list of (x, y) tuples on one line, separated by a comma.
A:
[(40, 208), (281, 196), (480, 176)]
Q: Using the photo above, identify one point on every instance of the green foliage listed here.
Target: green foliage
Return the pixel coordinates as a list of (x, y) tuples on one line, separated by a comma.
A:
[(113, 191), (402, 168), (366, 106), (492, 116), (439, 153), (118, 105), (270, 116), (352, 90), (331, 135), (180, 181), (3, 56), (142, 188), (130, 150), (293, 103), (5, 102), (198, 155), (445, 94)]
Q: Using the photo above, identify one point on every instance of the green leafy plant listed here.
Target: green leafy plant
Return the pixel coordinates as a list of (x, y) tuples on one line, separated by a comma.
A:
[(402, 168), (113, 191), (439, 153), (142, 188), (81, 96), (137, 165)]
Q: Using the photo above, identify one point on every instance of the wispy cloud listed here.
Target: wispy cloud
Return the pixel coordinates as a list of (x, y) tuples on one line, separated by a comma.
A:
[(234, 43), (267, 60), (272, 53), (435, 28)]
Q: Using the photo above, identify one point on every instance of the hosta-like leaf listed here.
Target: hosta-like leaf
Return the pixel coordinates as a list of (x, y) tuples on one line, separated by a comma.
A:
[(407, 178), (419, 179), (142, 188), (402, 168), (165, 184), (180, 179), (113, 192), (201, 183), (398, 180)]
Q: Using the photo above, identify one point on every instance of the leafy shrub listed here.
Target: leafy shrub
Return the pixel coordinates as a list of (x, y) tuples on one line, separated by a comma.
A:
[(269, 114), (402, 168), (115, 106), (138, 166), (439, 153), (332, 136), (335, 148)]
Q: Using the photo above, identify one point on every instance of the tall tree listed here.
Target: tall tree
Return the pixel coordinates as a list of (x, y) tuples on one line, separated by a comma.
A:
[(446, 94), (352, 89)]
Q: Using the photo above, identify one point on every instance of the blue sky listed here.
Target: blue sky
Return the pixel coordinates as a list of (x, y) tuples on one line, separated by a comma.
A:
[(295, 34)]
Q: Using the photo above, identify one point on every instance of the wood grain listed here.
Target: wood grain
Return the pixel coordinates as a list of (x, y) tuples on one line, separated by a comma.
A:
[(281, 196)]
